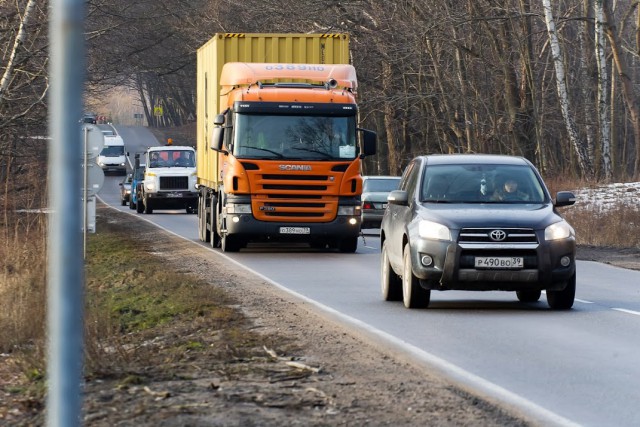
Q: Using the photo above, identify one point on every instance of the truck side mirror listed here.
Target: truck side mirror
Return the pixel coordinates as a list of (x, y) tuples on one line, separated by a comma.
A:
[(219, 120), (217, 138), (369, 142)]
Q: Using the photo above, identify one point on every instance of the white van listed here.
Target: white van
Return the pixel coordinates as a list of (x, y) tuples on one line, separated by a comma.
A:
[(112, 157)]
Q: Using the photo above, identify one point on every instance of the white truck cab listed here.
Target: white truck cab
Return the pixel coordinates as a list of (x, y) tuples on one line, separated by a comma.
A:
[(169, 180)]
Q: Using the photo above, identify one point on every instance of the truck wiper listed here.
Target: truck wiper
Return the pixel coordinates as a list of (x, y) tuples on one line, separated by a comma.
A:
[(265, 149), (311, 150)]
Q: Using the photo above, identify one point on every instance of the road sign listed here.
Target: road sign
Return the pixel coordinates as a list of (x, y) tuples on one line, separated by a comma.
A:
[(95, 178), (157, 110), (94, 140)]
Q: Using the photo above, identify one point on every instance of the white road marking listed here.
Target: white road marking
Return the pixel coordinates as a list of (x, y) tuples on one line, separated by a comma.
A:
[(624, 310), (425, 358)]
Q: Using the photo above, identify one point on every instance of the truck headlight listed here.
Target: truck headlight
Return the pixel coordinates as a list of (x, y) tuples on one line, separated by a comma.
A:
[(433, 230), (559, 230), (238, 208), (150, 186), (352, 210)]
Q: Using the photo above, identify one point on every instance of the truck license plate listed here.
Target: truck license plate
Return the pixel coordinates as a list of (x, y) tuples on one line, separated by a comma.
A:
[(295, 230), (499, 262)]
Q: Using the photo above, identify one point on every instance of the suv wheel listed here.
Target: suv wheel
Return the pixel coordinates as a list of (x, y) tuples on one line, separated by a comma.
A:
[(391, 282), (413, 295), (563, 300), (528, 296)]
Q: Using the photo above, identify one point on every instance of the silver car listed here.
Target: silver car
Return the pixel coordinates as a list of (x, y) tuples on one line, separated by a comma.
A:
[(375, 189), (476, 222)]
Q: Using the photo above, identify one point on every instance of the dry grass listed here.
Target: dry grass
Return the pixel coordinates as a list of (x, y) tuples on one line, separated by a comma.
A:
[(617, 227)]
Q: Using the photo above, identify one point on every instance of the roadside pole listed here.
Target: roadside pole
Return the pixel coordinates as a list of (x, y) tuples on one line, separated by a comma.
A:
[(65, 265)]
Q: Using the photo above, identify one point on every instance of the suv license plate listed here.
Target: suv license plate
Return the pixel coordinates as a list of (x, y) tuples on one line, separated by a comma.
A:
[(499, 262), (295, 230)]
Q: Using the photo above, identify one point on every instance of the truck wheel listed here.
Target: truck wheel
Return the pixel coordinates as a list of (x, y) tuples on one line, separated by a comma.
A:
[(139, 206), (202, 219), (391, 283), (413, 295), (147, 206), (563, 300), (230, 243), (213, 222), (528, 296), (348, 245)]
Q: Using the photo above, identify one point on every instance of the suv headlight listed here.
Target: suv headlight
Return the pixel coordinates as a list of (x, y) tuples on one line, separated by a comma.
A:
[(433, 230), (559, 230)]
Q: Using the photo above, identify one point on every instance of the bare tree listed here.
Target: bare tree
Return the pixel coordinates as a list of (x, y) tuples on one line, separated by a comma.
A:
[(603, 82), (580, 148)]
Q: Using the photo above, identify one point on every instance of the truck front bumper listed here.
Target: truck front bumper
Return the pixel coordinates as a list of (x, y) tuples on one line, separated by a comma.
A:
[(173, 199), (247, 227)]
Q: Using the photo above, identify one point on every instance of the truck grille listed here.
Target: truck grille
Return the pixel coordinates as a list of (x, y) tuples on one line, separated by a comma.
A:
[(174, 183), (299, 197)]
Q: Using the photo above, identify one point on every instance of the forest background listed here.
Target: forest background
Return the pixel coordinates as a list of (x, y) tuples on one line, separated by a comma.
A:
[(556, 83)]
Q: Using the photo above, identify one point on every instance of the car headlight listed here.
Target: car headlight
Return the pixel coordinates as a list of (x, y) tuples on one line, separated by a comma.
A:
[(559, 230), (349, 210), (433, 230), (238, 208)]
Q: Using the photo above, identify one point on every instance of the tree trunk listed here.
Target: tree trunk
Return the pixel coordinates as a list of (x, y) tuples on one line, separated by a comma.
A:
[(625, 80), (604, 124), (582, 152), (20, 36)]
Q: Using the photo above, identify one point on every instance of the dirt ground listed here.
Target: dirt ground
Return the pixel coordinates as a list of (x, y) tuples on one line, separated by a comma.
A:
[(328, 376)]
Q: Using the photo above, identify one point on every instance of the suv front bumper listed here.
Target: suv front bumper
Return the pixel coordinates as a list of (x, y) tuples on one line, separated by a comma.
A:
[(453, 267)]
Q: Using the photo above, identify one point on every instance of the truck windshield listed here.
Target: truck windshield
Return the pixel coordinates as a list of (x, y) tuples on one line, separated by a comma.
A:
[(171, 158), (259, 136)]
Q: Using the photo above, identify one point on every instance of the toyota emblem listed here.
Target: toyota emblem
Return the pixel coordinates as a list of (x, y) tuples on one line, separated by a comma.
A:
[(498, 235)]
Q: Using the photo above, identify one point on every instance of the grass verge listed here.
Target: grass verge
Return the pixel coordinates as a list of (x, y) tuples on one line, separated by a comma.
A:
[(145, 318)]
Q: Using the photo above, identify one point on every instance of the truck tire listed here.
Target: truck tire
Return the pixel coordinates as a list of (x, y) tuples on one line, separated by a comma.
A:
[(203, 232), (139, 207), (147, 206), (213, 222), (230, 243), (348, 245)]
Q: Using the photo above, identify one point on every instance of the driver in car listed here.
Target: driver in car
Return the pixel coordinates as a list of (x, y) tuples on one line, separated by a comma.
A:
[(509, 191)]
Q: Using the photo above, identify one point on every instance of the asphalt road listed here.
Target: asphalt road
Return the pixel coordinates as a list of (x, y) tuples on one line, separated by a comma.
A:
[(577, 367)]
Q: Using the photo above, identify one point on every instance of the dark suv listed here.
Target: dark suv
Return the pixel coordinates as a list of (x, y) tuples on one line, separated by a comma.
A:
[(476, 222)]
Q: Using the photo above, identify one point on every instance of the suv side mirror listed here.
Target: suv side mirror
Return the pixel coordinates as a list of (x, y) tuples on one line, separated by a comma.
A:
[(398, 197), (565, 198)]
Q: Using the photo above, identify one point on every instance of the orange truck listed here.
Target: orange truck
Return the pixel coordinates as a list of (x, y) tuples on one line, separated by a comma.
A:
[(279, 149)]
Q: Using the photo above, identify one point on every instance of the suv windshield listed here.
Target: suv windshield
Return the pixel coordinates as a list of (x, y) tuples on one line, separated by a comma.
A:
[(259, 136), (466, 183)]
